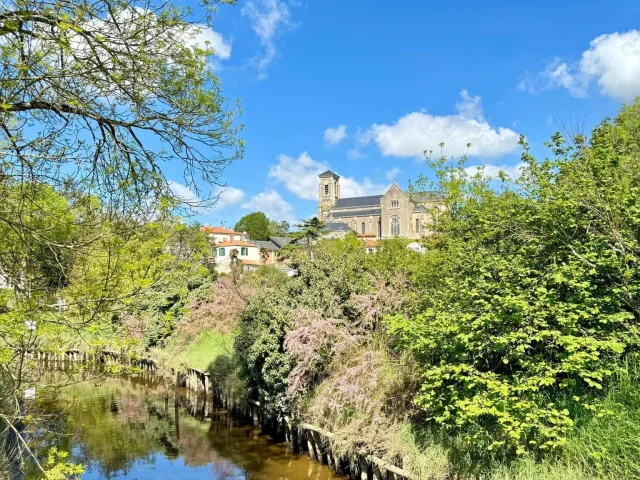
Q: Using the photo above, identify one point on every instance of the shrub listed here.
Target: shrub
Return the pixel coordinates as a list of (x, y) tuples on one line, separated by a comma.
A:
[(537, 302)]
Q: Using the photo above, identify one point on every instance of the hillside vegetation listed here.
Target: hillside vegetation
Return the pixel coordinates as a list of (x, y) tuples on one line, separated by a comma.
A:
[(507, 350)]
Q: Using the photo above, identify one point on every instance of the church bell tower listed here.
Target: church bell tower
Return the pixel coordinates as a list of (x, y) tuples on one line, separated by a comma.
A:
[(328, 193)]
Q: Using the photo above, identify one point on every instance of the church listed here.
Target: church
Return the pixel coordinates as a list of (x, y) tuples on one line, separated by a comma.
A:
[(393, 214)]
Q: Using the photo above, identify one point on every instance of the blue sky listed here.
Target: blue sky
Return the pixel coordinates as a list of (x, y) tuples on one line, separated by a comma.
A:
[(362, 87)]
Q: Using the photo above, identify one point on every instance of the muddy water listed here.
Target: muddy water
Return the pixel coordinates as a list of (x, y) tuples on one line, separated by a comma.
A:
[(123, 428)]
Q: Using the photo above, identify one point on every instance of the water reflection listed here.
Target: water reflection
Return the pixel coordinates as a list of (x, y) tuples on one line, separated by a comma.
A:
[(126, 428)]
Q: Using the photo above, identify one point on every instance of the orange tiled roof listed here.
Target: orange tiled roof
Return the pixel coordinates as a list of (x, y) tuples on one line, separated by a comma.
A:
[(371, 243), (236, 243), (251, 262), (365, 235), (222, 230)]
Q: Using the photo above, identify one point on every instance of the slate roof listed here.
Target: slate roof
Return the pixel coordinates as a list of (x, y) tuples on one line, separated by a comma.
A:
[(370, 201), (281, 242), (267, 245), (329, 173), (338, 227), (430, 195), (356, 213)]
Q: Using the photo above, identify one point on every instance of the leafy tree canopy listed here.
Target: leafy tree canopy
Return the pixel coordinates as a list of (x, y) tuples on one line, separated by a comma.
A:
[(256, 224), (96, 98)]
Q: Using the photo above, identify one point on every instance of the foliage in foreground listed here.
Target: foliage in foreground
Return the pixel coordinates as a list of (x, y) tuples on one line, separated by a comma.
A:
[(519, 321), (96, 97)]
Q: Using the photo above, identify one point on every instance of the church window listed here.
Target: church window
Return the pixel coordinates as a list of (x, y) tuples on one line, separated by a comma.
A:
[(395, 225), (364, 228), (395, 203), (417, 225), (326, 189)]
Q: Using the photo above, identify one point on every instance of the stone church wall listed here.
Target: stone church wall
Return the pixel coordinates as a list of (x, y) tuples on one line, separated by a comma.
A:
[(397, 203)]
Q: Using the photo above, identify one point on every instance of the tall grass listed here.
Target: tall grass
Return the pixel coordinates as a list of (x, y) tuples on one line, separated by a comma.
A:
[(202, 351), (608, 445), (601, 447)]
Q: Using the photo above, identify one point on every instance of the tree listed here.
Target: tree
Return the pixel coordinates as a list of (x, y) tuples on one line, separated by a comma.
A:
[(95, 98), (256, 225), (278, 229), (310, 230), (236, 265)]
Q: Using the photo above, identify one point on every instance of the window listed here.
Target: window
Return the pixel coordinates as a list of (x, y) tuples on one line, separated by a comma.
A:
[(364, 228), (417, 225), (244, 251), (395, 203), (221, 252), (326, 189), (395, 225)]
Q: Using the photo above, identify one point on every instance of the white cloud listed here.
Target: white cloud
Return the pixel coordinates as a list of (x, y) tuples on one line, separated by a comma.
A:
[(300, 177), (272, 205), (513, 171), (204, 37), (392, 174), (355, 154), (612, 61), (349, 187), (268, 18), (225, 197), (333, 136), (184, 193), (228, 196), (419, 131)]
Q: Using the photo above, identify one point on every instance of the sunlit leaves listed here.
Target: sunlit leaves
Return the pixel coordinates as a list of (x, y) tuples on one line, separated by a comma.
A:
[(539, 298)]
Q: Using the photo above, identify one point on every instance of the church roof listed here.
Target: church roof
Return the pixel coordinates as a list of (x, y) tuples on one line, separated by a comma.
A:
[(329, 173), (337, 227), (430, 195), (356, 213), (370, 201)]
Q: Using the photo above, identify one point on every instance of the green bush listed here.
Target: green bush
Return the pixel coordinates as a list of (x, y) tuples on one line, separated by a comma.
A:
[(537, 299)]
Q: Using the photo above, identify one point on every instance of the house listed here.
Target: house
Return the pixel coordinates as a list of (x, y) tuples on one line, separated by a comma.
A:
[(248, 254), (393, 214), (371, 246), (222, 234), (268, 252), (270, 248)]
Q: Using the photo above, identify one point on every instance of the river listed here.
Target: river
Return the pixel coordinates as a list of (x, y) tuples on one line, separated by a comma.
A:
[(122, 428)]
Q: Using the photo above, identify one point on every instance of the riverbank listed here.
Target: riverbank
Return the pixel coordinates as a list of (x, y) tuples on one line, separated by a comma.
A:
[(124, 427), (505, 349)]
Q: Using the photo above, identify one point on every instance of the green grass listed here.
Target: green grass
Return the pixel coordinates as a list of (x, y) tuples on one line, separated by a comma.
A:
[(601, 447), (203, 350)]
